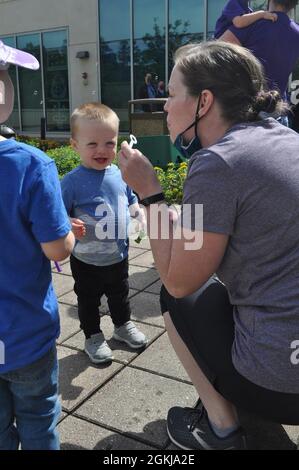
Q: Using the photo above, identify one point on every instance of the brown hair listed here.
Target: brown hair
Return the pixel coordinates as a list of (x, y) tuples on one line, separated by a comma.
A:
[(94, 112), (287, 4), (233, 75)]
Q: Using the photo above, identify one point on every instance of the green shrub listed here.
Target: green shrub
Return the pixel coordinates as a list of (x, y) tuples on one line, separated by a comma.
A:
[(66, 159), (47, 144), (172, 181)]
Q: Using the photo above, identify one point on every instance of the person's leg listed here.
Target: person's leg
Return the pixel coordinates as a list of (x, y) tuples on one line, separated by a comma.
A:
[(9, 439), (117, 292), (201, 329), (221, 412), (89, 287), (36, 403), (89, 292)]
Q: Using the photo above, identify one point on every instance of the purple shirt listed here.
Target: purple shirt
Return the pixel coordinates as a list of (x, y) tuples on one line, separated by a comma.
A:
[(276, 45), (232, 9)]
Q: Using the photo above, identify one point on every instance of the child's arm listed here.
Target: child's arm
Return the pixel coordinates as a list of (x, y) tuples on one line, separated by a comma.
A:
[(137, 213), (78, 228), (249, 18)]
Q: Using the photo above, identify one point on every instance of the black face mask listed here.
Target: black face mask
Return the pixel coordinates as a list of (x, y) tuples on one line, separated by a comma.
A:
[(188, 150)]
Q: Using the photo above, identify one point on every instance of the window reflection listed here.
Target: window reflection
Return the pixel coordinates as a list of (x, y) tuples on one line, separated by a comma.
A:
[(56, 80), (186, 24), (259, 4), (115, 56), (149, 44), (215, 8), (30, 83)]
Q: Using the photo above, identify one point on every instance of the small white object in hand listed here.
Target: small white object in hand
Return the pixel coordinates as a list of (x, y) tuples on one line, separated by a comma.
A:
[(133, 141)]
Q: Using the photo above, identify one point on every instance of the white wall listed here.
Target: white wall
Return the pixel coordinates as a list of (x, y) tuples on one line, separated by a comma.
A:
[(79, 17)]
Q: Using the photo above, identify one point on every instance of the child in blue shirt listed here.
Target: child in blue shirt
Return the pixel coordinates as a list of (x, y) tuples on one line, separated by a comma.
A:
[(34, 230), (239, 14), (97, 200)]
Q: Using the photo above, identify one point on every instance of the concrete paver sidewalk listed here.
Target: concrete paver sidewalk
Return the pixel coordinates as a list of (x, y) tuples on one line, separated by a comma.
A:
[(123, 406)]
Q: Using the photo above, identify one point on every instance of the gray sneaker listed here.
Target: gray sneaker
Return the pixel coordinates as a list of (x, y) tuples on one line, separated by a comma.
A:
[(97, 349), (129, 333)]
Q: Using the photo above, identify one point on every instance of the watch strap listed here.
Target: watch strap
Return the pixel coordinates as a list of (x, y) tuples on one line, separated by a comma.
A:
[(147, 201)]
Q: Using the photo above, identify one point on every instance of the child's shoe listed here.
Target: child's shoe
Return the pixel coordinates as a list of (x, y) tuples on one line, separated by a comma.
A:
[(129, 333), (97, 349)]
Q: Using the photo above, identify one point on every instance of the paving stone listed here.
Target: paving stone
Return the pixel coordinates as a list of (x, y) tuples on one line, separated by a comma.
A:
[(137, 402), (293, 433), (154, 288), (146, 308), (145, 244), (160, 357), (69, 322), (76, 434), (61, 263), (79, 377), (121, 351), (62, 284), (134, 252), (66, 269), (146, 259), (142, 277)]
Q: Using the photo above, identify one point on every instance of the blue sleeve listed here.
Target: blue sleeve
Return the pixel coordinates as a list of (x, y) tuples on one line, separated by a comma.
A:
[(67, 194), (132, 198), (47, 214)]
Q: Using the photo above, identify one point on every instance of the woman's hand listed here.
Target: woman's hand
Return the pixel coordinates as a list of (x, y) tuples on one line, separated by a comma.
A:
[(138, 172)]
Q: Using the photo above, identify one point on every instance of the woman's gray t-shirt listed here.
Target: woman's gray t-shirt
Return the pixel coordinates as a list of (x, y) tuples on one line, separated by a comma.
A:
[(248, 183)]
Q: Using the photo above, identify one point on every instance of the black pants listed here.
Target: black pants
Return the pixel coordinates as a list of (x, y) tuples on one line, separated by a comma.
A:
[(204, 321), (91, 282)]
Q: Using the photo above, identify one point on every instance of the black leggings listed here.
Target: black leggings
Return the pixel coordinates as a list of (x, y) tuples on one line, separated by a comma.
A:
[(204, 321)]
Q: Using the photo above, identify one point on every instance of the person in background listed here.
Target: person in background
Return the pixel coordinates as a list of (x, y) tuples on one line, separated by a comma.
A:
[(238, 13), (275, 44), (148, 90), (34, 230)]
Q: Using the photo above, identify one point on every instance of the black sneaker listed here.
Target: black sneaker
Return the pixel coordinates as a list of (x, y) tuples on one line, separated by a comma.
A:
[(190, 429)]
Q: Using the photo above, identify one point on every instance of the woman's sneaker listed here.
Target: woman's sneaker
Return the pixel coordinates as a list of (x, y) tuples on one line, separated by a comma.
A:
[(129, 334), (190, 429), (97, 349)]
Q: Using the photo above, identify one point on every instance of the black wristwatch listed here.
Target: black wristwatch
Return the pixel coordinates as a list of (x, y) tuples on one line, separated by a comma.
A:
[(147, 201)]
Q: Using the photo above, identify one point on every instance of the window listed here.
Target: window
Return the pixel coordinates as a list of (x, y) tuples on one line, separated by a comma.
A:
[(115, 57), (56, 80), (186, 24), (215, 8), (149, 43), (30, 83)]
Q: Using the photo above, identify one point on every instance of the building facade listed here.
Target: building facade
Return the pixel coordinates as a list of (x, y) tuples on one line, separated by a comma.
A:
[(97, 50)]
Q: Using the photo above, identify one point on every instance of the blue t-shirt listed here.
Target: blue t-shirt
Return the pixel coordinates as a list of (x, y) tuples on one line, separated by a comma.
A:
[(232, 9), (31, 212), (101, 199), (276, 45)]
